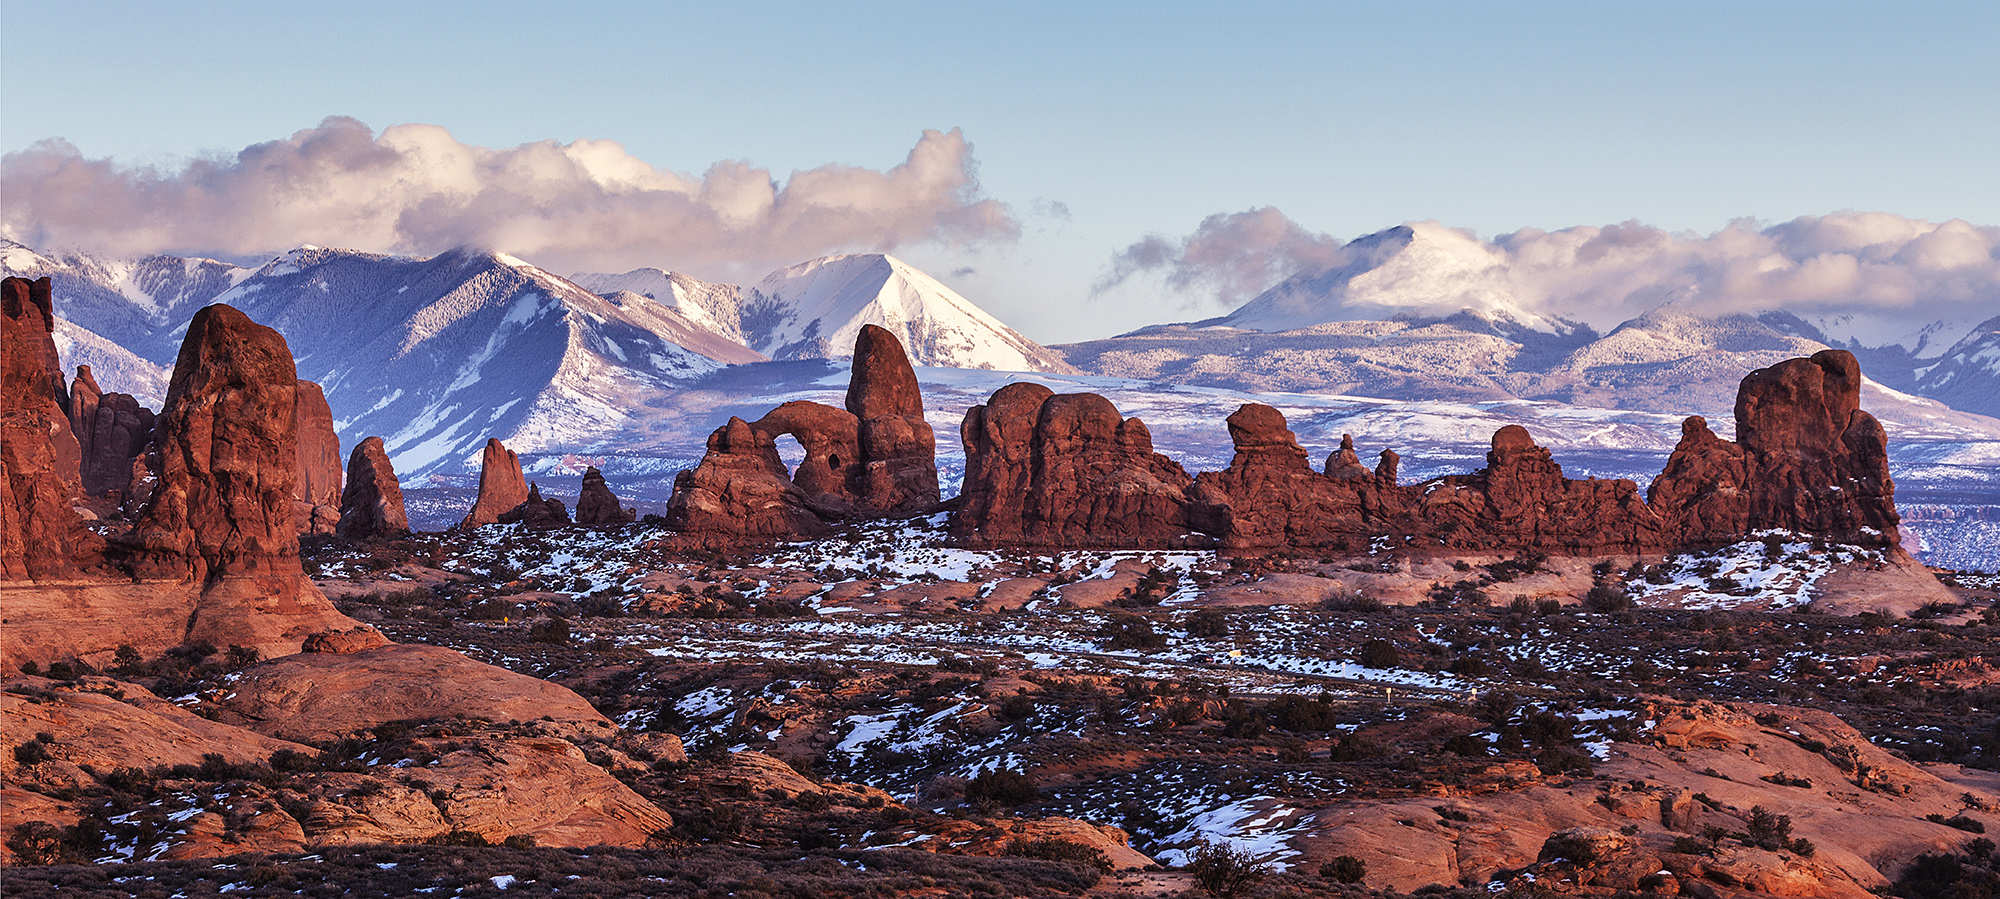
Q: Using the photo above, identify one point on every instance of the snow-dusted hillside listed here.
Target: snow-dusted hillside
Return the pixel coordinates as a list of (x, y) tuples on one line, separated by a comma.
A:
[(435, 355), (114, 368), (714, 307), (127, 302), (1967, 376)]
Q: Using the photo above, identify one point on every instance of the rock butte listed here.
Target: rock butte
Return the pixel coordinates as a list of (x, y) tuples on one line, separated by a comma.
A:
[(371, 506), (502, 486)]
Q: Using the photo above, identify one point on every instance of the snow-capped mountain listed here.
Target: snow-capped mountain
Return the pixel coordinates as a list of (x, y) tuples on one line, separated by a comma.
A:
[(435, 355), (1417, 272), (127, 300), (1967, 376), (813, 310), (713, 306)]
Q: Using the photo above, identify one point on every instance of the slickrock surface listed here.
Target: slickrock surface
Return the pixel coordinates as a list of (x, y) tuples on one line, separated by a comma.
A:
[(322, 696)]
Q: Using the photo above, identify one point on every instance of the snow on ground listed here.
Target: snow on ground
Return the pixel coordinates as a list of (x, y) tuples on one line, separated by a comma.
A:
[(1779, 570)]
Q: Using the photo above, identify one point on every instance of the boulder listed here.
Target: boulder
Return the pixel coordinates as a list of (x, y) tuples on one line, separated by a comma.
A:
[(536, 512), (596, 504), (371, 505), (228, 458), (1049, 470), (316, 497), (502, 486), (41, 535)]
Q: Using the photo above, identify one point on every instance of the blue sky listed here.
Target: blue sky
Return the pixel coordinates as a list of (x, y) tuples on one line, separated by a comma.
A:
[(1137, 118)]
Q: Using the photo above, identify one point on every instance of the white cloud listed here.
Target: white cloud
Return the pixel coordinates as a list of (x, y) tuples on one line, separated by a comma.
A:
[(1840, 264), (415, 188)]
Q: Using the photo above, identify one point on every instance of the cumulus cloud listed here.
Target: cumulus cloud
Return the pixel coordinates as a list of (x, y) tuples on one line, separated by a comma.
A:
[(1866, 268), (1234, 254), (584, 205)]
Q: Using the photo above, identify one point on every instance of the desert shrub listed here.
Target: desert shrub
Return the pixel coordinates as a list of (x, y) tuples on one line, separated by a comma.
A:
[(1224, 870), (1379, 653), (999, 788), (1607, 598), (31, 752), (1130, 632), (1304, 715), (1548, 605), (1017, 707), (1344, 869), (1960, 821), (36, 843), (1944, 875), (519, 841), (1767, 829), (554, 631), (1059, 850), (458, 838), (1351, 601), (1208, 623), (1692, 846)]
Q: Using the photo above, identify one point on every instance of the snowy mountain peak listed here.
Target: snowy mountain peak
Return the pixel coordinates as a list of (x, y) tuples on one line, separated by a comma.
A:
[(816, 308), (1421, 271)]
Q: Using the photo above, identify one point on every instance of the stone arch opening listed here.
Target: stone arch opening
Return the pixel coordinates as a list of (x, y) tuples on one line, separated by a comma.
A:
[(791, 452)]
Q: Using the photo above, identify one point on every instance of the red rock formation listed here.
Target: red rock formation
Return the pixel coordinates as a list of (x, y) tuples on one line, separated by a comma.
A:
[(228, 457), (84, 395), (536, 512), (502, 486), (120, 431), (1065, 470), (214, 549), (371, 505), (1807, 459), (596, 504), (741, 490), (898, 450), (316, 503), (874, 459), (41, 535), (833, 465)]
